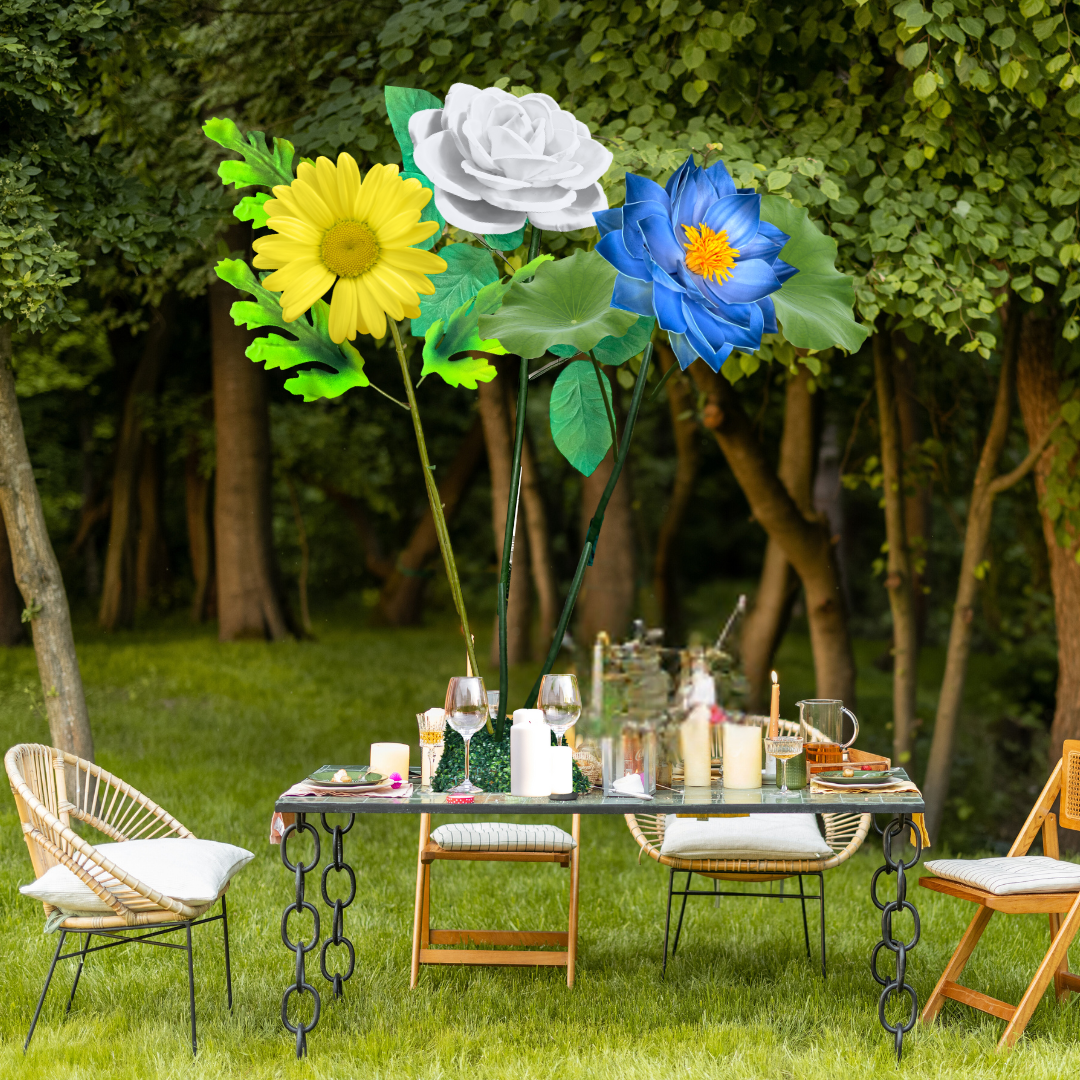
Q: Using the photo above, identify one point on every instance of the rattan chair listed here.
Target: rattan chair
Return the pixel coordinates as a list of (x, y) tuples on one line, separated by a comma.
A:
[(844, 833), (39, 781)]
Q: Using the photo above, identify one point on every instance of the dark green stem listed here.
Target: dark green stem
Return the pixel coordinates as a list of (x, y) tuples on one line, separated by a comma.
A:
[(594, 527), (605, 394), (534, 243)]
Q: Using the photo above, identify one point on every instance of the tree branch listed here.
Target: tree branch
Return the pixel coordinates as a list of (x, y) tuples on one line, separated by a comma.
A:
[(1007, 480)]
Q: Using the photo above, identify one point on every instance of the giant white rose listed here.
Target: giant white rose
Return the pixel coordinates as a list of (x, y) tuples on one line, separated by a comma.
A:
[(495, 159)]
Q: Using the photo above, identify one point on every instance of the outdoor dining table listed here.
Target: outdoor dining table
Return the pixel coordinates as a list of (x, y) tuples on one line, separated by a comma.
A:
[(898, 807)]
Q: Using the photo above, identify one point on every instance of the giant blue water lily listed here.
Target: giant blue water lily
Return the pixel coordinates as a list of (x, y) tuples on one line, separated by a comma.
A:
[(696, 254)]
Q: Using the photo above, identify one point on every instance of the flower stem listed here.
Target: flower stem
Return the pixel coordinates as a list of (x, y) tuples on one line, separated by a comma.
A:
[(594, 527), (434, 500)]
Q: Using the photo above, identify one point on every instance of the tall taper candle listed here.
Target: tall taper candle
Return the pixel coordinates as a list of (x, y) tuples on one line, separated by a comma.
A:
[(774, 708)]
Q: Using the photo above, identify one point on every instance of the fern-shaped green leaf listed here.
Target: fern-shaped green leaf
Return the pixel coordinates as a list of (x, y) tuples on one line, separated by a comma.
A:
[(260, 167), (250, 208)]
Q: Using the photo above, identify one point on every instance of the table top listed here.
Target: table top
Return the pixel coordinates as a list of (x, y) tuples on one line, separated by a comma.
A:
[(711, 800)]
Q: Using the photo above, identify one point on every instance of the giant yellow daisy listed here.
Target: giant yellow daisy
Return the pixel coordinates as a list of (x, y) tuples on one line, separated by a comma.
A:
[(336, 229)]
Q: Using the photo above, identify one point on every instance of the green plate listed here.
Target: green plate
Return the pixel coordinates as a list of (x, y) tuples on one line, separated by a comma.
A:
[(837, 777), (359, 776)]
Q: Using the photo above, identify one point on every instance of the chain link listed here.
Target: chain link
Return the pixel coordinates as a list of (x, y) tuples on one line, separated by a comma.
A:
[(300, 947), (899, 826), (337, 925)]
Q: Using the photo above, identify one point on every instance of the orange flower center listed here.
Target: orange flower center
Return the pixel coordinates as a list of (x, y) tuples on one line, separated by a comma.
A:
[(708, 253)]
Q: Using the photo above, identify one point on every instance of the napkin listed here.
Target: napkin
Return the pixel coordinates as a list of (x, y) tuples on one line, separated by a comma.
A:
[(305, 788), (630, 785)]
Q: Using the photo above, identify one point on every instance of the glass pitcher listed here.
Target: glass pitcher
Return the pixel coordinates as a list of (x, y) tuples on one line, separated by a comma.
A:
[(821, 724)]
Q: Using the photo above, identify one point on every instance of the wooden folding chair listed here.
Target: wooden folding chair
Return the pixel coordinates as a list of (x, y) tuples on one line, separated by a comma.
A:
[(424, 937), (1063, 909)]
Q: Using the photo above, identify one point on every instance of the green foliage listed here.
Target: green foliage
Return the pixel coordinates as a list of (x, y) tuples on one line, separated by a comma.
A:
[(615, 350), (250, 208), (489, 763), (468, 270), (310, 342), (401, 103), (260, 167), (580, 428), (567, 303), (459, 335)]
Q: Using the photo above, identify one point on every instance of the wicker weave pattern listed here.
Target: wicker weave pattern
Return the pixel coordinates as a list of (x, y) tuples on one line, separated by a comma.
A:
[(38, 777)]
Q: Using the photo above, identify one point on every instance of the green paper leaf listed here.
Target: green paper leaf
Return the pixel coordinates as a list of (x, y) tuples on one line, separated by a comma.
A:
[(579, 419), (567, 303), (401, 103), (250, 208), (615, 350), (261, 167), (505, 241), (310, 342), (468, 270), (459, 335), (815, 306), (430, 212)]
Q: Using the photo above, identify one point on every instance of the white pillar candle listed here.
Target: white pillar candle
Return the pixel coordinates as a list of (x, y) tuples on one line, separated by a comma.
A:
[(562, 770), (390, 757), (696, 739), (742, 756), (530, 749)]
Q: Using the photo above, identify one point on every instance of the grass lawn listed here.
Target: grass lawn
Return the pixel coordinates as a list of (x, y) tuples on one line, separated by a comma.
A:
[(214, 732)]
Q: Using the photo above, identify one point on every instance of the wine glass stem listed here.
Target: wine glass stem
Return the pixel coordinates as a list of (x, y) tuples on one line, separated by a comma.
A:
[(468, 739), (783, 783)]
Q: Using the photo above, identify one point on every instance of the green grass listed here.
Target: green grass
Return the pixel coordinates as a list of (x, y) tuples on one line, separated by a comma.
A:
[(214, 732)]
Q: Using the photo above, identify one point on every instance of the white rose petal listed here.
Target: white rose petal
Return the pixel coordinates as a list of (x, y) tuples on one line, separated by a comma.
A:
[(493, 158)]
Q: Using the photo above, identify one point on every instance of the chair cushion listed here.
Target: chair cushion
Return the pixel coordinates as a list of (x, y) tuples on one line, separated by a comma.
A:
[(755, 836), (502, 836), (192, 871), (1004, 877)]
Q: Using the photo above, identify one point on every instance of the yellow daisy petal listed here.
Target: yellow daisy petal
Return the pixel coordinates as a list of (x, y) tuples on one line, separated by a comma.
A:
[(326, 175), (343, 312), (303, 290), (420, 262), (296, 229), (281, 247), (370, 204), (349, 182), (370, 311), (384, 296), (310, 205), (393, 283)]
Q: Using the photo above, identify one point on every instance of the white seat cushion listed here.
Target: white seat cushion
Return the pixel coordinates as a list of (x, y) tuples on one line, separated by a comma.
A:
[(502, 836), (755, 836), (1004, 877), (192, 871)]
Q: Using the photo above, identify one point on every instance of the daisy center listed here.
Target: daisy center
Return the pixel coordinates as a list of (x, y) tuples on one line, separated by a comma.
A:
[(708, 253), (349, 249)]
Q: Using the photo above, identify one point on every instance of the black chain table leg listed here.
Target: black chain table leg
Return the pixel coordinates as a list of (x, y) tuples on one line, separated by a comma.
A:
[(899, 826), (337, 932), (300, 948)]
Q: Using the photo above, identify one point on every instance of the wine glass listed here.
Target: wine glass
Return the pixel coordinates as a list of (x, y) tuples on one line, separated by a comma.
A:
[(466, 713), (782, 748), (560, 700)]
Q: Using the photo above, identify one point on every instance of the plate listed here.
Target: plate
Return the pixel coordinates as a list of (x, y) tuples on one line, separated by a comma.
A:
[(893, 781), (837, 777), (360, 776)]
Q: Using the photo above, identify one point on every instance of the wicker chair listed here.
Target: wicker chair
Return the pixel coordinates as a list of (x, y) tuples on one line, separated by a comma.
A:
[(39, 778), (844, 833)]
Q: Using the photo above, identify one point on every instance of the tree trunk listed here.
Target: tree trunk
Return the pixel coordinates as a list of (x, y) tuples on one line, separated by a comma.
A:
[(89, 540), (680, 397), (200, 535), (499, 440), (37, 575), (151, 553), (249, 604), (985, 489), (768, 618), (117, 606), (606, 600), (401, 599), (11, 605), (1037, 385), (806, 543), (898, 580)]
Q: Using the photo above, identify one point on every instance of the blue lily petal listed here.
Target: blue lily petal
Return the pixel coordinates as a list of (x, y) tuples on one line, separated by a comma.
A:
[(716, 331), (713, 357), (783, 270), (660, 276), (630, 294), (716, 361), (694, 199), (737, 314), (721, 179), (738, 216), (608, 220), (676, 180), (614, 250), (750, 280), (684, 352), (766, 245), (642, 189), (768, 310), (668, 307), (632, 215), (661, 244)]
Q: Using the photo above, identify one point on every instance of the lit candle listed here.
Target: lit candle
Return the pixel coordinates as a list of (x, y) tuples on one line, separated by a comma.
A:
[(742, 756), (774, 709), (390, 757)]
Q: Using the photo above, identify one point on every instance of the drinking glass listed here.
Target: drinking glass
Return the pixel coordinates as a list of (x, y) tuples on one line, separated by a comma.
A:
[(432, 725), (466, 713), (784, 747), (560, 700), (493, 704)]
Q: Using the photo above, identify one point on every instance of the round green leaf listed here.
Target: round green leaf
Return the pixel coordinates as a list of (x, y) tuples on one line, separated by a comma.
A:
[(615, 350), (579, 419), (568, 302)]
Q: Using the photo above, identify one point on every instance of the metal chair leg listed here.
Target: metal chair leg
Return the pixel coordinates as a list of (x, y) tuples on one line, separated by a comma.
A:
[(821, 905), (75, 984), (682, 912), (667, 922), (45, 989), (191, 991), (228, 968), (805, 928)]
